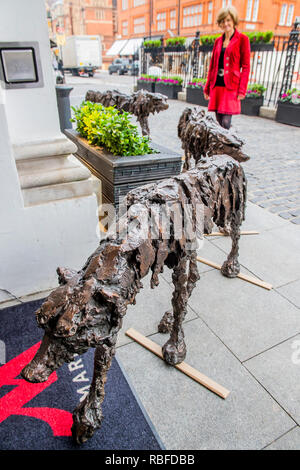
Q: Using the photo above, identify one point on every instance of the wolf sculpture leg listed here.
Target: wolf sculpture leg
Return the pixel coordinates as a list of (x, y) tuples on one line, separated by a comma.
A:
[(167, 320), (87, 417), (174, 351), (231, 267), (143, 120)]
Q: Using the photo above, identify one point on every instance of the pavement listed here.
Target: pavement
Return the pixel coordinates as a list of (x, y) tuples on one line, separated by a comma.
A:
[(242, 336)]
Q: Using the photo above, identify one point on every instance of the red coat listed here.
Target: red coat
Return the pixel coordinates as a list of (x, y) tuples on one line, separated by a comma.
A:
[(236, 64)]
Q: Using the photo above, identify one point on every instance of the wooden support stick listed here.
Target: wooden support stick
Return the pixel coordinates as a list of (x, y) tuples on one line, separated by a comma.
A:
[(220, 234), (244, 277), (183, 367)]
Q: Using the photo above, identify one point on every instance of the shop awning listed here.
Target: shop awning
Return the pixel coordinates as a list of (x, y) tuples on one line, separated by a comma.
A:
[(116, 48), (132, 46)]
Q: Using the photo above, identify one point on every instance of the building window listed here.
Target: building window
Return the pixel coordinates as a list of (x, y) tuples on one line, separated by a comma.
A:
[(173, 19), (139, 25), (283, 14), (124, 28), (255, 10), (226, 3), (100, 14), (124, 4), (161, 21), (210, 10), (290, 15), (137, 3), (192, 16), (252, 10), (249, 10)]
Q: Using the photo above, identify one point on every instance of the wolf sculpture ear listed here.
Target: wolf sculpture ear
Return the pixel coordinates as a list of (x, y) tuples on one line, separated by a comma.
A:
[(65, 274)]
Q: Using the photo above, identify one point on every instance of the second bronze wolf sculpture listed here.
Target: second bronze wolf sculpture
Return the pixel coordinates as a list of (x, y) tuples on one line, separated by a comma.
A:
[(202, 136), (142, 103), (87, 309)]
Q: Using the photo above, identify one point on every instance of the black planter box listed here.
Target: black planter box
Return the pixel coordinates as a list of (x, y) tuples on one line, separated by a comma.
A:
[(156, 50), (196, 96), (259, 46), (175, 49), (119, 175), (171, 91), (250, 106), (145, 85), (288, 113), (262, 46), (206, 47)]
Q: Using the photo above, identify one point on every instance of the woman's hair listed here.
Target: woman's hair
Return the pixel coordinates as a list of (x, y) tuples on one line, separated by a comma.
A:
[(224, 12)]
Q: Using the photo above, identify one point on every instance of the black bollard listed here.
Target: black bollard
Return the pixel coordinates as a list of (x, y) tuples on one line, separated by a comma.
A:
[(63, 104)]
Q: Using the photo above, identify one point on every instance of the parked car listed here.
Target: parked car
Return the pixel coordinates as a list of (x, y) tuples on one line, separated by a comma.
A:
[(119, 66), (134, 68)]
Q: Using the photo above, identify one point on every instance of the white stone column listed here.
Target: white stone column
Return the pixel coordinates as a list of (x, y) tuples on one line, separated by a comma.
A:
[(48, 211)]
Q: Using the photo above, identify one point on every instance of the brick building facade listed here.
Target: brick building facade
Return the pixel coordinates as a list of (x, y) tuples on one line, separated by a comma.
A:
[(152, 18), (78, 17)]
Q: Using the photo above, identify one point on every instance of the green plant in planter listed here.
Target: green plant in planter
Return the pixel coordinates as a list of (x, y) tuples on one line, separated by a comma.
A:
[(197, 83), (147, 78), (255, 90), (174, 80), (260, 37), (107, 127), (291, 96), (268, 36), (152, 43), (208, 40), (178, 41)]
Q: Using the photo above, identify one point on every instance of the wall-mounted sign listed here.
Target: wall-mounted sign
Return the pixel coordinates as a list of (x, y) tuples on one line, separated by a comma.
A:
[(20, 65)]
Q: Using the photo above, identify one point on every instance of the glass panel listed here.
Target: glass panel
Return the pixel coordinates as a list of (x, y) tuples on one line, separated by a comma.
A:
[(283, 14), (255, 10), (249, 10), (290, 15)]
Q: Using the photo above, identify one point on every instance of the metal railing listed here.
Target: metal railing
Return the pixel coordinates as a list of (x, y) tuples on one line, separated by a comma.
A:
[(268, 62)]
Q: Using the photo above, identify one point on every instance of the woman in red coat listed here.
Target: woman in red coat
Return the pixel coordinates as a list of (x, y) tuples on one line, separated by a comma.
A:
[(229, 69)]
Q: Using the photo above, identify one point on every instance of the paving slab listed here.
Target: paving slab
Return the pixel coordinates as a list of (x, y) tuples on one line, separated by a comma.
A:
[(151, 304), (208, 251), (188, 416), (273, 256), (291, 292), (259, 219), (247, 318), (278, 370), (290, 441), (26, 298)]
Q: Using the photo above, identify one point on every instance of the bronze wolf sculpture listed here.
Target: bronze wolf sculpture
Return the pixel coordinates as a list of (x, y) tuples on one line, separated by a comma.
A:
[(141, 103), (86, 310), (202, 136)]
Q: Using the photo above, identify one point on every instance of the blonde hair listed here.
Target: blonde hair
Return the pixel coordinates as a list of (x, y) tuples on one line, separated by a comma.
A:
[(224, 12)]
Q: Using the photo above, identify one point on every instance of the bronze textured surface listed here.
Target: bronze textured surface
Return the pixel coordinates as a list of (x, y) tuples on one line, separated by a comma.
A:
[(87, 309), (142, 103), (202, 136)]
